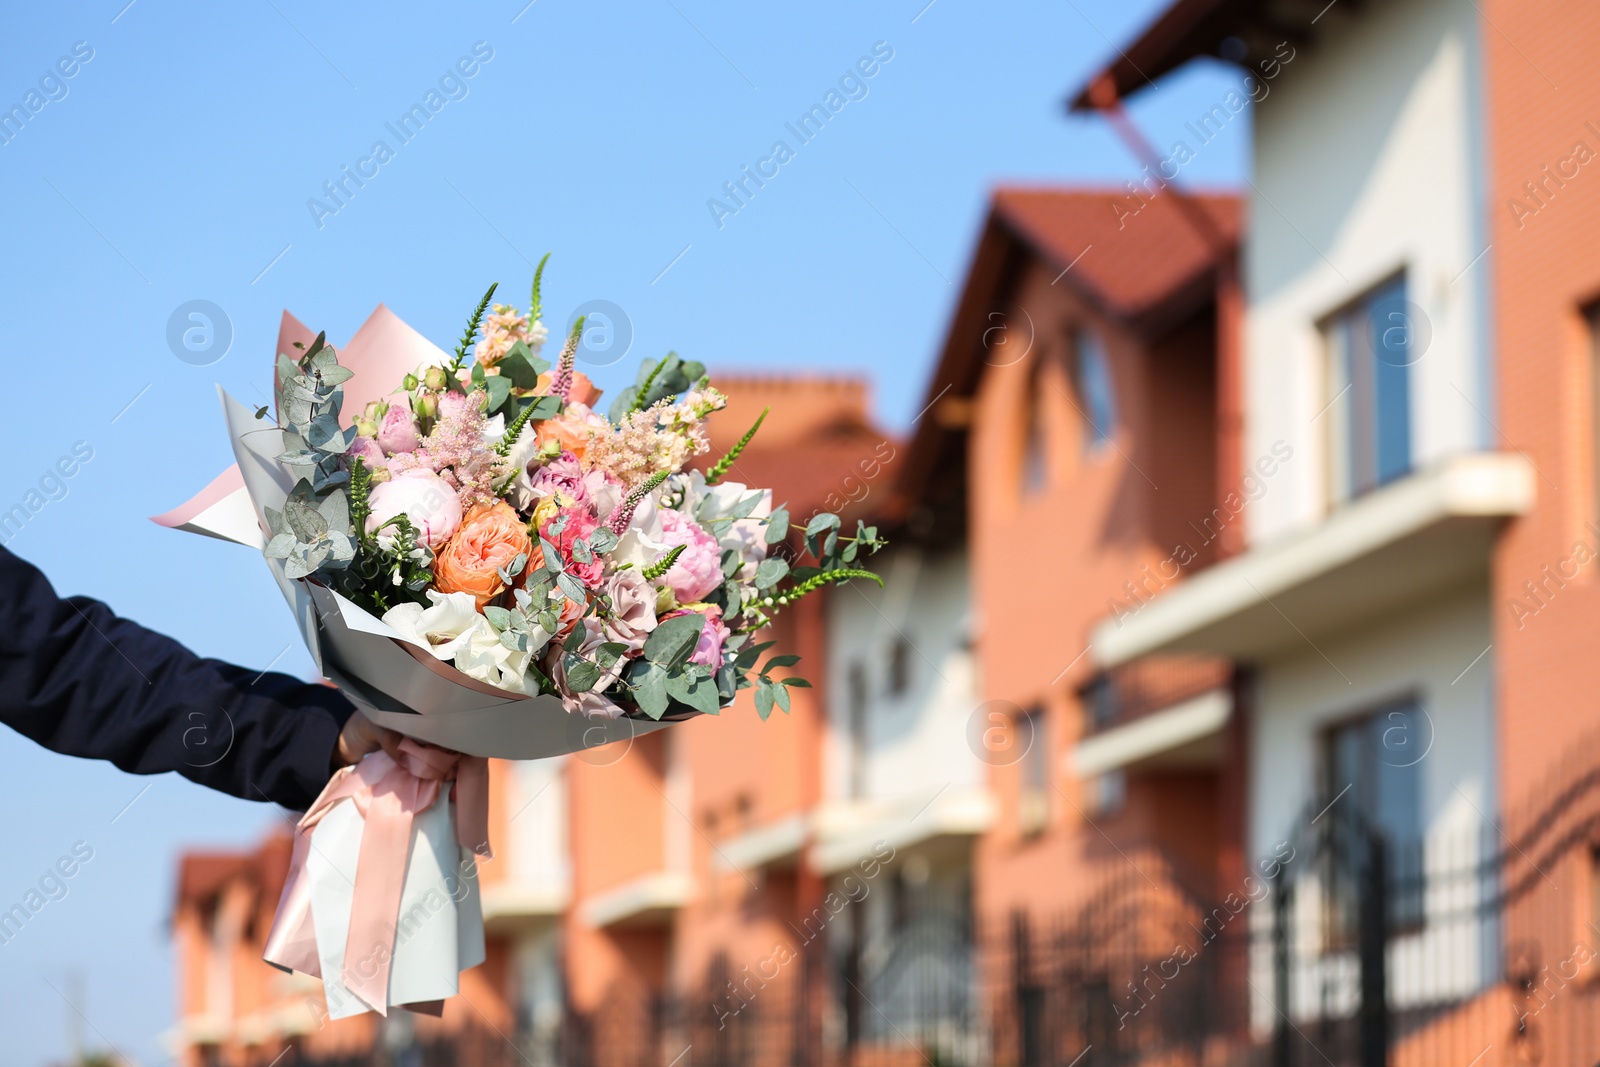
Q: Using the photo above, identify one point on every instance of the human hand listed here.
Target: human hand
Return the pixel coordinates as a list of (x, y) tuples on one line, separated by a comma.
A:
[(361, 736)]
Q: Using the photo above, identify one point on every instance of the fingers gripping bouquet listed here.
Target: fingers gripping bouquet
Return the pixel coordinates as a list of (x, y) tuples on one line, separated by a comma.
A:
[(483, 560)]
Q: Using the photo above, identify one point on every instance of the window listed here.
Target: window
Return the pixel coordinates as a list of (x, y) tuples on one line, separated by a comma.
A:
[(1035, 475), (1372, 779), (1091, 380), (1033, 792), (857, 696), (900, 666), (1371, 346), (1099, 699), (1375, 762), (1594, 411), (1109, 792)]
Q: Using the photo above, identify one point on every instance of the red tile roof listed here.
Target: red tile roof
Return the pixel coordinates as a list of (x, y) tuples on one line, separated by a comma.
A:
[(1126, 258), (1150, 267), (1245, 32), (815, 448)]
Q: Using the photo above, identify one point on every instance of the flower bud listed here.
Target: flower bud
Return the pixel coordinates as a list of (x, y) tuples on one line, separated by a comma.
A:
[(434, 379), (365, 426), (409, 383), (426, 406), (375, 411)]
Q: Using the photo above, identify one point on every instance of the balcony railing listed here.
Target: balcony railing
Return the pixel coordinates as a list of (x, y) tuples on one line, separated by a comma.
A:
[(1150, 684)]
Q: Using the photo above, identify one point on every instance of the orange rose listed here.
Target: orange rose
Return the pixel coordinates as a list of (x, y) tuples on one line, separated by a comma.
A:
[(582, 390), (571, 429), (490, 537)]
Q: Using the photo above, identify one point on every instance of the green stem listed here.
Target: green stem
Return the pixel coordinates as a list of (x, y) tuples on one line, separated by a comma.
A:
[(649, 380), (471, 333), (537, 307), (721, 466), (664, 564)]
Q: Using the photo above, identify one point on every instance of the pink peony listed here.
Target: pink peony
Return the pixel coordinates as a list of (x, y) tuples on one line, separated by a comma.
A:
[(421, 496), (699, 569), (561, 476), (708, 650), (367, 449), (398, 431)]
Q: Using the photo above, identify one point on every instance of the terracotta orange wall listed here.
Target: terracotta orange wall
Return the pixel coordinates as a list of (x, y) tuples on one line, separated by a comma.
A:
[(616, 811), (1046, 566), (746, 774), (1544, 269)]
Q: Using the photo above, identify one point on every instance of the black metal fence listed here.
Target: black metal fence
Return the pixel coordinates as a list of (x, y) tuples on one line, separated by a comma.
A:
[(1477, 947)]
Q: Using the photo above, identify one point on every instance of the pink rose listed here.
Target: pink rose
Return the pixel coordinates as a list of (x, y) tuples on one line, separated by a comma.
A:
[(421, 496), (699, 569), (708, 650), (398, 431), (633, 609)]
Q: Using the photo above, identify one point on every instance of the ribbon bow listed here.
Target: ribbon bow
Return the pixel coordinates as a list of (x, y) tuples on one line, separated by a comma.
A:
[(390, 791)]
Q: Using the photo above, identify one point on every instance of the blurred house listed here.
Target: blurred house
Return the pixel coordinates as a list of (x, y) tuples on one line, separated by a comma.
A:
[(1411, 605), (1227, 699)]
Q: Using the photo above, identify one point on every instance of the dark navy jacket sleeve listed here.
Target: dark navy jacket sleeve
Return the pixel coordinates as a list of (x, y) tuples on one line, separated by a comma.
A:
[(81, 681)]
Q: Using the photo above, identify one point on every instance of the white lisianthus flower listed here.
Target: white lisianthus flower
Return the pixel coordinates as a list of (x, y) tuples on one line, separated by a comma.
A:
[(453, 630), (748, 536), (644, 541)]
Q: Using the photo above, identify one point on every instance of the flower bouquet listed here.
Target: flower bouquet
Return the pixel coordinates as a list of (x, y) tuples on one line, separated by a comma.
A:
[(483, 561)]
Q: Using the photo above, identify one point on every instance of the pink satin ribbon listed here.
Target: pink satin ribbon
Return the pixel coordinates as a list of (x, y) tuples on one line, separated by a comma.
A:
[(390, 793)]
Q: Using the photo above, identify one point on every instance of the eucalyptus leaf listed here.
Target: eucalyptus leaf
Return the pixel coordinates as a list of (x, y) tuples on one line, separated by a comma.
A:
[(499, 390), (770, 572), (582, 674), (521, 367), (573, 588), (696, 690), (671, 642), (777, 526)]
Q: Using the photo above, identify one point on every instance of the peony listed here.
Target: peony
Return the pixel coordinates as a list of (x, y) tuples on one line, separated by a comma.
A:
[(367, 449), (398, 430), (708, 649), (698, 570), (593, 702), (490, 537), (633, 609), (421, 496), (561, 478)]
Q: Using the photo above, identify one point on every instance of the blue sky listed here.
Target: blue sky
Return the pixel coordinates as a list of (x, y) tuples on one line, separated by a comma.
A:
[(178, 166)]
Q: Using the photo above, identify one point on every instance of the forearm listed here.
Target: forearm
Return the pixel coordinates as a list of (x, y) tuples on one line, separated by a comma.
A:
[(79, 680)]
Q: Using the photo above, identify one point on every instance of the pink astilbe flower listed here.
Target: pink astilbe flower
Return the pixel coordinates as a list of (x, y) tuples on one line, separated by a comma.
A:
[(455, 449), (663, 437)]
